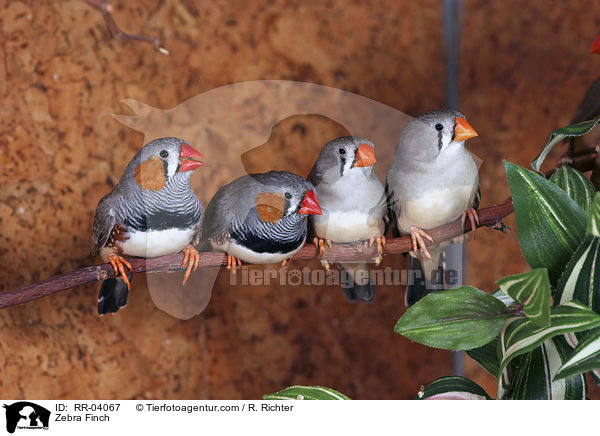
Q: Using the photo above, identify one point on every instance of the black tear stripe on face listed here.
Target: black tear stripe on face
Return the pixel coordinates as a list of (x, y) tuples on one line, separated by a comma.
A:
[(343, 159), (440, 143), (261, 244), (166, 165)]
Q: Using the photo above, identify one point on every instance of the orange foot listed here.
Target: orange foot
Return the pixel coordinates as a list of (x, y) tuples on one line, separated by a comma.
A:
[(233, 262), (473, 219), (417, 235), (190, 261), (119, 264), (285, 261), (320, 244), (380, 244)]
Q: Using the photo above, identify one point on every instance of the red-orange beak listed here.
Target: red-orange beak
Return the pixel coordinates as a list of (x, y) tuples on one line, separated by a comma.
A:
[(365, 156), (596, 45), (310, 205), (188, 158), (463, 130)]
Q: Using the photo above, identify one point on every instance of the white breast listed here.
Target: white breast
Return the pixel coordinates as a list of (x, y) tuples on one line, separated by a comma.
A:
[(347, 226), (249, 256), (156, 242), (435, 208)]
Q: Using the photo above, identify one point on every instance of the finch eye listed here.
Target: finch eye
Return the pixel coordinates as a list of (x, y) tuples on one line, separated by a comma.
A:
[(342, 151), (439, 126), (288, 195), (164, 154)]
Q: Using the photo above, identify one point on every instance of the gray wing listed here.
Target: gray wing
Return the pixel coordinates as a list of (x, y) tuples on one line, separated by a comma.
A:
[(217, 216), (393, 211), (104, 222)]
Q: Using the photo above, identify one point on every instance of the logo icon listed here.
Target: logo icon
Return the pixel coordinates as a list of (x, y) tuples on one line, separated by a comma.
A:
[(26, 415)]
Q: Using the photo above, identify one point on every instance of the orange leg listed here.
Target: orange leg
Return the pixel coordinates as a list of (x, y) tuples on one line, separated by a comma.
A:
[(320, 244), (380, 244), (119, 264), (473, 219), (232, 263), (417, 236), (191, 258), (285, 261)]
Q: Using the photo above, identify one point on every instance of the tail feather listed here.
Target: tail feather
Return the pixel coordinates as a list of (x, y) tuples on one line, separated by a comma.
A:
[(354, 291), (419, 284), (113, 295)]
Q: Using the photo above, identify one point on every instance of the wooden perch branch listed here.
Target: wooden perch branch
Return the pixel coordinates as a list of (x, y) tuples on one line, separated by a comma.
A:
[(104, 7), (489, 216)]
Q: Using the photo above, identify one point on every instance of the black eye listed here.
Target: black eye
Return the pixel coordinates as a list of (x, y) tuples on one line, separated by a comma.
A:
[(164, 154), (288, 195), (439, 126), (342, 151)]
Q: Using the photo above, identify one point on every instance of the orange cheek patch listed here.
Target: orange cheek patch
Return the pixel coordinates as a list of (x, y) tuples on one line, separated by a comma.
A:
[(150, 174), (270, 206)]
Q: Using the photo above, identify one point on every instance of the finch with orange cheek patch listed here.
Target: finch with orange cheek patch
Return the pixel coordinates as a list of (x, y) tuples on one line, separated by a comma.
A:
[(151, 212), (260, 218)]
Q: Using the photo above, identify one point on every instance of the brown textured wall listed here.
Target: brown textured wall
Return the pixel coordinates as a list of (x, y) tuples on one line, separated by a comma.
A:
[(61, 77)]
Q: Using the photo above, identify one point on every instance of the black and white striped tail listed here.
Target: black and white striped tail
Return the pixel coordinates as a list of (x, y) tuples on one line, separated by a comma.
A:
[(113, 295)]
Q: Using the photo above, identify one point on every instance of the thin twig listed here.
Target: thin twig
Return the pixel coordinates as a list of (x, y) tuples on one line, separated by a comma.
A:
[(487, 217), (104, 7)]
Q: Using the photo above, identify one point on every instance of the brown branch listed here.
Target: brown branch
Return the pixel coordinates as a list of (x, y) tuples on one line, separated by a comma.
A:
[(490, 216), (105, 8)]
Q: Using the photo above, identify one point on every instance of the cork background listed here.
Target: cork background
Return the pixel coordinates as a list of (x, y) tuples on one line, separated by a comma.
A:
[(63, 76)]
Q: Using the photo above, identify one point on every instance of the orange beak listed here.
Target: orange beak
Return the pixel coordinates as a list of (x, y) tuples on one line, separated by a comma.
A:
[(463, 130), (310, 205), (596, 45), (365, 156), (187, 156)]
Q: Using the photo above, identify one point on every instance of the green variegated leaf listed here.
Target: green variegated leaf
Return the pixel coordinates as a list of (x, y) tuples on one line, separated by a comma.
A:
[(532, 289), (575, 184), (502, 296), (487, 356), (594, 222), (457, 319), (580, 280), (560, 134), (521, 335), (453, 388), (534, 372), (550, 224), (306, 393), (586, 356)]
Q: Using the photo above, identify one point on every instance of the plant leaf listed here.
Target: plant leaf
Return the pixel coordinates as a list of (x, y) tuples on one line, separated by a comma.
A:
[(586, 356), (502, 296), (532, 289), (580, 280), (534, 373), (487, 356), (453, 388), (594, 222), (575, 184), (560, 134), (457, 319), (521, 335), (550, 224), (306, 393)]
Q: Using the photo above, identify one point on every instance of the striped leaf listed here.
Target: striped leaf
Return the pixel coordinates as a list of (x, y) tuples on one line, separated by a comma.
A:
[(521, 335), (306, 393), (502, 296), (575, 184), (581, 279), (586, 356), (560, 134), (487, 356), (453, 388), (532, 289), (534, 373), (457, 319), (594, 222), (550, 224)]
